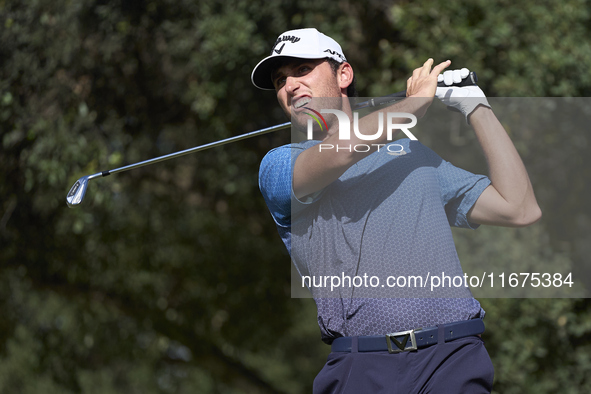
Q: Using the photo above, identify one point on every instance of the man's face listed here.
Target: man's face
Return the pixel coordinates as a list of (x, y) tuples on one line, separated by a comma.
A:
[(297, 81)]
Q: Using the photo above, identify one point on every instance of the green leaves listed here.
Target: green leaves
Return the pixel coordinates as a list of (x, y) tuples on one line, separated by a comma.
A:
[(172, 278)]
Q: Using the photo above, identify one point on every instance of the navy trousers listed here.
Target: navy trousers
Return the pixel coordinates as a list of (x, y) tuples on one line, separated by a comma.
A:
[(459, 366)]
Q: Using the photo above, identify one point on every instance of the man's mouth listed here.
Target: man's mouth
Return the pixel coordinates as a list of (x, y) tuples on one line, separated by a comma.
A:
[(301, 102)]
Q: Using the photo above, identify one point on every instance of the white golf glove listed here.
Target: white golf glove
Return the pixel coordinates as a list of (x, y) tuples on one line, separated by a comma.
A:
[(464, 99)]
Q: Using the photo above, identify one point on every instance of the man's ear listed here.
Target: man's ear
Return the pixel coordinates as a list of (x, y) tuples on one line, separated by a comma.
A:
[(345, 75)]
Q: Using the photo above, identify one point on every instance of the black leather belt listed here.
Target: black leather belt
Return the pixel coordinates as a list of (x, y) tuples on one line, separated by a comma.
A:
[(412, 339)]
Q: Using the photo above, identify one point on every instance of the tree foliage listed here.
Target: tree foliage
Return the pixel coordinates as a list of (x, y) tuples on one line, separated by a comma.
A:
[(172, 278)]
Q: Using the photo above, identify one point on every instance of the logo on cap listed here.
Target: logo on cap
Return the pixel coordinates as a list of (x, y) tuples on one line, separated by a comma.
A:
[(337, 54), (292, 39), (280, 49)]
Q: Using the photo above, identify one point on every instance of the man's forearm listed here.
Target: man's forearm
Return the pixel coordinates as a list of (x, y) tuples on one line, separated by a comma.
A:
[(506, 170), (315, 169)]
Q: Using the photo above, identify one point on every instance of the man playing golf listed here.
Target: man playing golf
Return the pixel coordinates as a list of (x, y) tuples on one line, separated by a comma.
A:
[(377, 213)]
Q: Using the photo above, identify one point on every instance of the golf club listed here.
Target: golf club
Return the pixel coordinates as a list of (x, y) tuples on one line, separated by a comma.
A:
[(78, 190)]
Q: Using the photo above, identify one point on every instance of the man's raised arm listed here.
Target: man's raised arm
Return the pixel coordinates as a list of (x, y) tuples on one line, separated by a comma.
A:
[(315, 169), (509, 200)]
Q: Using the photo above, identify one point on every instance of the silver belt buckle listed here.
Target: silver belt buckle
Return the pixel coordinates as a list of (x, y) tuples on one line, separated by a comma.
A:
[(401, 345)]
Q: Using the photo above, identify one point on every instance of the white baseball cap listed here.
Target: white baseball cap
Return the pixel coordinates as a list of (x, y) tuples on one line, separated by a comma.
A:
[(302, 44)]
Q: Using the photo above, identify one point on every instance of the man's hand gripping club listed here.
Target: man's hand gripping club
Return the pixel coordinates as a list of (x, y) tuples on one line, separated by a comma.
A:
[(464, 99), (423, 83)]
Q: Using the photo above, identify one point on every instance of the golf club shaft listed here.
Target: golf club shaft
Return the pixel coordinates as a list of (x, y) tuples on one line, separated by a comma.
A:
[(470, 80), (78, 190), (282, 126)]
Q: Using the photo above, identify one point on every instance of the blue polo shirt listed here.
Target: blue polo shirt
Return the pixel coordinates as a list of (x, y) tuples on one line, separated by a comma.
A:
[(387, 217)]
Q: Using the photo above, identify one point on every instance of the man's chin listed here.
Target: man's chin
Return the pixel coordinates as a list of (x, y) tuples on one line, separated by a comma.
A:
[(300, 123), (299, 118)]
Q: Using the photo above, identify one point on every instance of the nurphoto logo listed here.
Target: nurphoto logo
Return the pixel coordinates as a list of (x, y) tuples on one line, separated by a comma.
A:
[(345, 130)]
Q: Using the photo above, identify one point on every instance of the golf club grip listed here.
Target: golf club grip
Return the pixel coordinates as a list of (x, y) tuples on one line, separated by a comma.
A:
[(470, 80)]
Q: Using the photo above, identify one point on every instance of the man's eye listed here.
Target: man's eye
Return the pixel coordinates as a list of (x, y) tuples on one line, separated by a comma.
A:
[(280, 81)]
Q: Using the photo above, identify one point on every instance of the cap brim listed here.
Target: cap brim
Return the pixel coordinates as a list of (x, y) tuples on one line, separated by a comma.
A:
[(261, 75)]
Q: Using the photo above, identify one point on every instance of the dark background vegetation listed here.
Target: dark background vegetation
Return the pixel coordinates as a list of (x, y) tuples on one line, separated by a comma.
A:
[(171, 278)]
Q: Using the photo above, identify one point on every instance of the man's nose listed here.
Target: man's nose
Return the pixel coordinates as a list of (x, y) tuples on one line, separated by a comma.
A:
[(291, 84)]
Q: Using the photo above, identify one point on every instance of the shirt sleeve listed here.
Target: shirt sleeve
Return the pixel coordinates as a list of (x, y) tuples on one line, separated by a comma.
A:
[(275, 183), (459, 191)]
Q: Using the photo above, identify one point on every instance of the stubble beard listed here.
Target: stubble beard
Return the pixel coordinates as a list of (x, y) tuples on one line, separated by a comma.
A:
[(329, 99)]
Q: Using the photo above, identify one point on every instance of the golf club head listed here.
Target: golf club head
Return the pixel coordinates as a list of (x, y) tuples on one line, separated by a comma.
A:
[(77, 192)]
